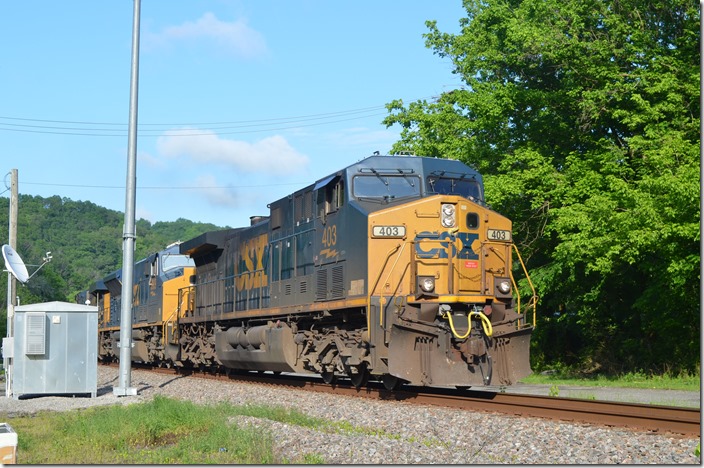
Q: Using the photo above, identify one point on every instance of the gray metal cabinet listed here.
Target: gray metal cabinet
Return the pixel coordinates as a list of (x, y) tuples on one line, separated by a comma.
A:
[(55, 349)]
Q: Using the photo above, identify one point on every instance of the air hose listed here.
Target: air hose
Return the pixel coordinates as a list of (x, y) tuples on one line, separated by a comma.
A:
[(486, 324)]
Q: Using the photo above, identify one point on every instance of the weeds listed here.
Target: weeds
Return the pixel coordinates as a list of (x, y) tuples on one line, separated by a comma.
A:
[(630, 380), (162, 431)]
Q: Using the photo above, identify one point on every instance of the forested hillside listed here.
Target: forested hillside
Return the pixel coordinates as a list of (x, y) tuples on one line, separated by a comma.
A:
[(85, 241)]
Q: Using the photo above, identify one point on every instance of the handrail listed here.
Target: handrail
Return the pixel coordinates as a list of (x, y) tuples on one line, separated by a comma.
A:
[(534, 298), (513, 282), (533, 303), (165, 324), (372, 289), (381, 293), (185, 294)]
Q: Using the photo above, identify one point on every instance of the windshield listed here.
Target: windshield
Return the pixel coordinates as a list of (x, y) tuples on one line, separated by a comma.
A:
[(384, 186), (171, 261), (468, 188)]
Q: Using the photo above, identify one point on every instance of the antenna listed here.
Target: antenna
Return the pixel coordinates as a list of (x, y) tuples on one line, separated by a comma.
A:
[(16, 266)]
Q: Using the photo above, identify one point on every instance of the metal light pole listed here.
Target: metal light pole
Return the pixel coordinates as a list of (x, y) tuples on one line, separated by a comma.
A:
[(129, 235)]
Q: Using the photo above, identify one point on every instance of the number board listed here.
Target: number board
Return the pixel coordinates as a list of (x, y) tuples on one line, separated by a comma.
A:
[(498, 235), (389, 231)]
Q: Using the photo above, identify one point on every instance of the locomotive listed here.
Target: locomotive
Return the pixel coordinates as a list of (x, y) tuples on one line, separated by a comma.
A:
[(157, 281), (393, 268)]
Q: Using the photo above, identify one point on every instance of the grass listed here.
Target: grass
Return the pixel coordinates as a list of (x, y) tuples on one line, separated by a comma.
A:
[(165, 431), (630, 380), (170, 431), (161, 431)]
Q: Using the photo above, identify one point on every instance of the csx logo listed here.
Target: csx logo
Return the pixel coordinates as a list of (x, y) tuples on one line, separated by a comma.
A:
[(433, 245), (253, 258)]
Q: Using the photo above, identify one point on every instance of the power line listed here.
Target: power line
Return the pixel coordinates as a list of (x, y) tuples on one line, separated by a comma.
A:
[(277, 119), (170, 187), (85, 128), (172, 132)]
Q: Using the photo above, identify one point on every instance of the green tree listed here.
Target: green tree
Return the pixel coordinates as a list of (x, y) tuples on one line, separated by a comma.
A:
[(584, 118), (85, 241)]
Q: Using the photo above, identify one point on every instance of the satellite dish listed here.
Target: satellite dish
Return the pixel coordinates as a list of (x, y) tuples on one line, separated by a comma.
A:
[(14, 264)]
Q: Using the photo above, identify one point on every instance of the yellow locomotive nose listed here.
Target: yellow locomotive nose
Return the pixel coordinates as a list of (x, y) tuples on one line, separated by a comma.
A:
[(450, 274)]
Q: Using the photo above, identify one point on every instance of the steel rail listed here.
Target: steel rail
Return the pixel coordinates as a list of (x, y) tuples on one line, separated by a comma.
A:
[(633, 416), (665, 419)]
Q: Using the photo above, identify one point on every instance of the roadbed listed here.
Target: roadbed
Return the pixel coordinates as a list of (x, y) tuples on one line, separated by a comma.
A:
[(659, 397)]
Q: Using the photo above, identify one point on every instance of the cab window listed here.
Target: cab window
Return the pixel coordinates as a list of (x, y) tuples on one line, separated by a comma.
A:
[(386, 186), (468, 188), (171, 261), (331, 197)]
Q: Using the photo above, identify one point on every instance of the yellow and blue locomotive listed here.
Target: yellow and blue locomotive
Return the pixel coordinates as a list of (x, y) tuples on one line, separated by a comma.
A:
[(393, 268), (158, 280)]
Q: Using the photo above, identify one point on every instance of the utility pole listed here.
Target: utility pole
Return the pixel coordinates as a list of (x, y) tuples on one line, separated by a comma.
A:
[(11, 285), (129, 235)]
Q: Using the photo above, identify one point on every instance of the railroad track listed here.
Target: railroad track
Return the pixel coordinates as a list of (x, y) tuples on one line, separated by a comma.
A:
[(634, 416), (685, 421)]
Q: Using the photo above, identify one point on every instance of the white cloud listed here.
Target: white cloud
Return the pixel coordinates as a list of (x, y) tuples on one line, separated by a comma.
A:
[(215, 194), (236, 36), (272, 155)]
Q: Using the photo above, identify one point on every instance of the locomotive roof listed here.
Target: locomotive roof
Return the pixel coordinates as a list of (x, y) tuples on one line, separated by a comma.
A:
[(419, 164), (423, 164), (206, 242)]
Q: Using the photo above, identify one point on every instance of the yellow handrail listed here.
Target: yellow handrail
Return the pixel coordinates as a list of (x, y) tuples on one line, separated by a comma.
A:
[(381, 293), (534, 299), (371, 290)]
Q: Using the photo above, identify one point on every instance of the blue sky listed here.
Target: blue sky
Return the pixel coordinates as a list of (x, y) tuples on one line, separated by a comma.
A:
[(241, 102)]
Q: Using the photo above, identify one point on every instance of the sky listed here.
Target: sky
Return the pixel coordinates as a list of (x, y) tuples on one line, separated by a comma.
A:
[(240, 102)]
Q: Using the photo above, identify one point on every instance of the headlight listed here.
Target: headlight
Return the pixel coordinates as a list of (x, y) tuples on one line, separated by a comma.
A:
[(448, 215), (427, 284), (504, 287)]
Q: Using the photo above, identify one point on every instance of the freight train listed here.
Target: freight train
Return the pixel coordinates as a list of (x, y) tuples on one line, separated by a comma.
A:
[(393, 268)]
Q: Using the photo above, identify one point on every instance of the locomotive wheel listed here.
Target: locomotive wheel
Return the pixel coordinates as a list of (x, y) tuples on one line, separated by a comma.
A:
[(360, 378), (328, 377), (391, 382)]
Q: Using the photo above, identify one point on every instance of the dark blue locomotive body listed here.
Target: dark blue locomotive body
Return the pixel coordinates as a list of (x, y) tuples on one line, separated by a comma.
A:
[(392, 268)]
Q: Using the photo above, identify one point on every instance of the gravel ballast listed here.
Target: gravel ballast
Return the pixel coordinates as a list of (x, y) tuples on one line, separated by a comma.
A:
[(389, 432)]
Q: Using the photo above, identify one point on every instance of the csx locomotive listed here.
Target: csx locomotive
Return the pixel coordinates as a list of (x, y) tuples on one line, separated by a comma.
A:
[(393, 268)]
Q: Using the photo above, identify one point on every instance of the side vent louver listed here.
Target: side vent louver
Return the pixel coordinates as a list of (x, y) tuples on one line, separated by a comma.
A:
[(338, 289), (35, 334)]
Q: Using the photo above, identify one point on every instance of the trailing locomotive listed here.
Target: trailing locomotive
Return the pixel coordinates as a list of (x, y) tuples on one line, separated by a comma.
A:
[(158, 280), (393, 268)]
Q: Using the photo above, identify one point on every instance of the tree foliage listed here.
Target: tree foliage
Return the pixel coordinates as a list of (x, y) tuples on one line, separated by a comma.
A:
[(85, 241), (584, 118)]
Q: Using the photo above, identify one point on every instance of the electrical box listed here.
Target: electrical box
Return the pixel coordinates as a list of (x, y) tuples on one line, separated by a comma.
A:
[(55, 349)]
